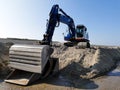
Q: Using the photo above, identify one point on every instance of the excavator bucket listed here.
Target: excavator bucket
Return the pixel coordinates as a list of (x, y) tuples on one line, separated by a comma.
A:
[(30, 63), (22, 77)]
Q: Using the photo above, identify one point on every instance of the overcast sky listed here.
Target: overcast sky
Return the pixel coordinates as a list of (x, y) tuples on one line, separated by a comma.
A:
[(27, 19)]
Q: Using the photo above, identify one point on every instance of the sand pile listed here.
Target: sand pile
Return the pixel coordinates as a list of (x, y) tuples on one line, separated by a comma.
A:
[(83, 63), (86, 63), (104, 59)]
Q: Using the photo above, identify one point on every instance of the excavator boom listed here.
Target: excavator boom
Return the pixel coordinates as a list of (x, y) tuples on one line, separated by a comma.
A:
[(57, 15)]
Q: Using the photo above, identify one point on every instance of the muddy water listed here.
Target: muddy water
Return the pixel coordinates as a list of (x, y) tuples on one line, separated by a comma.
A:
[(111, 81), (57, 82)]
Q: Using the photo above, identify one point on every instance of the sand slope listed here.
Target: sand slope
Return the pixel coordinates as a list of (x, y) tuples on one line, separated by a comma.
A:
[(85, 63)]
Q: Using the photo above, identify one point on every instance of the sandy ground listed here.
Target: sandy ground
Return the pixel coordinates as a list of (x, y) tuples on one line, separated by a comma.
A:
[(78, 69), (109, 81)]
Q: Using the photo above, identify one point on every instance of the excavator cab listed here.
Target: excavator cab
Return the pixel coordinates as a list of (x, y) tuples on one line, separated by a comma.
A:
[(81, 32), (81, 38)]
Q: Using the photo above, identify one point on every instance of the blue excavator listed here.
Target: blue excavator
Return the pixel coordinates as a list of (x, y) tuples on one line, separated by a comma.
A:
[(76, 35), (33, 62)]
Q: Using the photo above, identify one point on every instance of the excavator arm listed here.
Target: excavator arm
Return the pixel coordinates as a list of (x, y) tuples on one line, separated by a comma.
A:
[(56, 16)]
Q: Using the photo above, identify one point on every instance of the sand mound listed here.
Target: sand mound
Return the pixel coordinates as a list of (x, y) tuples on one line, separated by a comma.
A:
[(83, 63), (103, 60), (86, 63)]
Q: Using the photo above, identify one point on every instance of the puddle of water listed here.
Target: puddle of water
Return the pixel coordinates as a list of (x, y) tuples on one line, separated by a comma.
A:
[(115, 72), (53, 83), (1, 80), (66, 82)]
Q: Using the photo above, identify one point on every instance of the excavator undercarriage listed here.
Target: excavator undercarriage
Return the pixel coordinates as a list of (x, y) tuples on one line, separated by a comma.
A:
[(78, 45)]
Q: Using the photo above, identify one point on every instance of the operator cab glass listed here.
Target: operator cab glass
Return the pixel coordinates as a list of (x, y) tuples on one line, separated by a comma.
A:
[(80, 30)]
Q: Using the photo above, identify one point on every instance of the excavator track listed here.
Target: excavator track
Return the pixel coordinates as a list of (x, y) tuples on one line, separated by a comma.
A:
[(83, 45), (78, 45), (30, 62)]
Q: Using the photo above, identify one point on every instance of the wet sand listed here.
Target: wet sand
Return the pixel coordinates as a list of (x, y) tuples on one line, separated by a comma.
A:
[(52, 83), (110, 81)]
